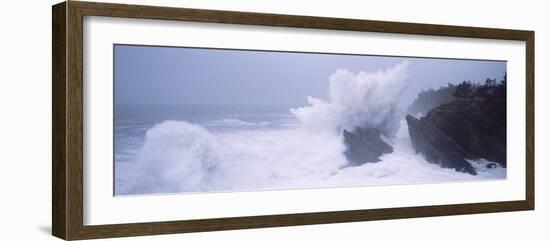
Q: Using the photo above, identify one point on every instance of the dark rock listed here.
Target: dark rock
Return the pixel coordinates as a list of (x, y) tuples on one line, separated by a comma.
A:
[(436, 146), (491, 165), (364, 145), (473, 126)]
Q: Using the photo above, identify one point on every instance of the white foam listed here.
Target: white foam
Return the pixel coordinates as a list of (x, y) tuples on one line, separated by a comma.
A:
[(174, 157), (183, 157), (232, 122), (362, 99)]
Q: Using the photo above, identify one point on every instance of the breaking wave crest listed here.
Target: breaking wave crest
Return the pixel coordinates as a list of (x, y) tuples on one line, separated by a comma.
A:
[(178, 156), (175, 157), (362, 99)]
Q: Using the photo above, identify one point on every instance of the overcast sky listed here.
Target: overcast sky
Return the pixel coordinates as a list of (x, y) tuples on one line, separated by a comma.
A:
[(145, 74)]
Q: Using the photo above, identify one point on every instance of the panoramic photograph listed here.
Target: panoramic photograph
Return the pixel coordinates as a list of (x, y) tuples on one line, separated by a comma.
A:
[(197, 120)]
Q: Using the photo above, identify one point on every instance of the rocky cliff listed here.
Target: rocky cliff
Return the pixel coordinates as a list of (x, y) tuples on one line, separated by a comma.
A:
[(365, 145), (470, 127)]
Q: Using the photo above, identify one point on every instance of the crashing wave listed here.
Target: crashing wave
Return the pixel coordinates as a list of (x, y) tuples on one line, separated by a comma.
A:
[(368, 100)]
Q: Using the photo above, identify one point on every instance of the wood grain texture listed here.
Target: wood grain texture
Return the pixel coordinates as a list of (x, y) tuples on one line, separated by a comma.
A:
[(74, 121), (59, 183), (530, 120), (67, 100)]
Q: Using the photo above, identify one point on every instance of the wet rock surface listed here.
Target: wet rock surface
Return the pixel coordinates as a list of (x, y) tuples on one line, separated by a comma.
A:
[(473, 126), (364, 145)]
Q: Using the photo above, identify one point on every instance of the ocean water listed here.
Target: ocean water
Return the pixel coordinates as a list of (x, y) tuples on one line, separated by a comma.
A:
[(173, 149), (133, 120), (213, 148)]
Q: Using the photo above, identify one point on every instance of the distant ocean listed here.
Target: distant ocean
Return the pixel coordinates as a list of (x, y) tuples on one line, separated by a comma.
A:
[(201, 148), (133, 120)]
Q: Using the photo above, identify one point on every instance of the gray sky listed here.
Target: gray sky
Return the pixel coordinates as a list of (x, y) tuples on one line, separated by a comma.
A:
[(145, 74)]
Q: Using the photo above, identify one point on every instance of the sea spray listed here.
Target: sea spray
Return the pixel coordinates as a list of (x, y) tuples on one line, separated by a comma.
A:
[(368, 100), (270, 160), (178, 156), (175, 156)]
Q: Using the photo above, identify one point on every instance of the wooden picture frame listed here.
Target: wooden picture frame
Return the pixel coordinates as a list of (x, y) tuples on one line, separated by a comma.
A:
[(67, 124)]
